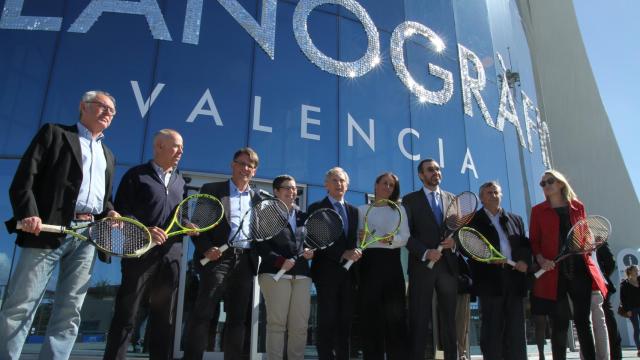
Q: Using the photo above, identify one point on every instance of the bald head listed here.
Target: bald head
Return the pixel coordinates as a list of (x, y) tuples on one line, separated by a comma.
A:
[(167, 148)]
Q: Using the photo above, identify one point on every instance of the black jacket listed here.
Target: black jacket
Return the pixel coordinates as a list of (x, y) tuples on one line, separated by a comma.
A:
[(491, 279), (47, 183), (283, 246), (142, 195), (219, 235), (327, 263)]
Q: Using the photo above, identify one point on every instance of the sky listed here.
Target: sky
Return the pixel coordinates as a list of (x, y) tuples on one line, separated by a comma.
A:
[(611, 35)]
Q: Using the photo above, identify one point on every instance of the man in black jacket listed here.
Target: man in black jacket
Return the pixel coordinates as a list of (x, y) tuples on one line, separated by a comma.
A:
[(150, 193), (334, 285), (228, 275), (64, 178), (607, 265), (501, 288)]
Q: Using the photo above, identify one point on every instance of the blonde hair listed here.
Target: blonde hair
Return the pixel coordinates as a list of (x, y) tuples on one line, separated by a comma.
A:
[(567, 192)]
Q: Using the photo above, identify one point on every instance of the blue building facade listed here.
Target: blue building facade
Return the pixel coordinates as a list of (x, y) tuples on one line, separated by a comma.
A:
[(368, 85)]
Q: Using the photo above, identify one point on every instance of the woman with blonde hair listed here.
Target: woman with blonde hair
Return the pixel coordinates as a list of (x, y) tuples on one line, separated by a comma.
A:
[(573, 278)]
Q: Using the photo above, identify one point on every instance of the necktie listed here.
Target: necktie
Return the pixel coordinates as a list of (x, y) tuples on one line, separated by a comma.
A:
[(343, 215), (435, 206)]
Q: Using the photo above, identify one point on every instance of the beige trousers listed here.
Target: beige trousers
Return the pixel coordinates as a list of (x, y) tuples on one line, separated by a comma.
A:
[(288, 303)]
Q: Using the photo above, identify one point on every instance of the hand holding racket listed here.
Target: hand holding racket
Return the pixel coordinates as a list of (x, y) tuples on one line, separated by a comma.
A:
[(458, 214), (266, 219), (585, 236), (321, 229), (378, 232), (479, 248), (118, 236)]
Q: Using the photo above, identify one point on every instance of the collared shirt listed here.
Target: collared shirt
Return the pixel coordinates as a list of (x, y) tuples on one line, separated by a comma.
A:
[(292, 219), (165, 175), (428, 192), (239, 204), (505, 246), (94, 170)]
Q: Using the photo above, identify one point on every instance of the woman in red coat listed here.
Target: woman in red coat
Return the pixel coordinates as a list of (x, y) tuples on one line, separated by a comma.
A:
[(571, 278)]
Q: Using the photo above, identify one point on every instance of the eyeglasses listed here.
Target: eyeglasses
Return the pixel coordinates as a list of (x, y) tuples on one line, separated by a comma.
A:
[(549, 181), (433, 169), (103, 107), (244, 164), (290, 188)]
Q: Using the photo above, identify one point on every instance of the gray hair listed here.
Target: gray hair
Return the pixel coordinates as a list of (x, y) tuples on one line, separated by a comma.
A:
[(488, 184), (92, 95), (336, 171)]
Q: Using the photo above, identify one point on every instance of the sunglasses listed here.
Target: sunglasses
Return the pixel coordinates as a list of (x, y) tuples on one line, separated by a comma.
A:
[(549, 181)]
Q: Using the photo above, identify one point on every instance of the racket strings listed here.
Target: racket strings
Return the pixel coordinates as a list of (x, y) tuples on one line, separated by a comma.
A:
[(461, 210), (119, 237), (201, 212), (268, 218), (323, 229), (589, 234), (474, 245)]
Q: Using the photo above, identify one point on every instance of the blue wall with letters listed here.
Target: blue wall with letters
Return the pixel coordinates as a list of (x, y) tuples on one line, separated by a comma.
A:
[(308, 118)]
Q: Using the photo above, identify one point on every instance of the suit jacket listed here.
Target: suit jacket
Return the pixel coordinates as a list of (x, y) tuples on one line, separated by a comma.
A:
[(425, 231), (281, 247), (219, 235), (47, 183), (493, 280), (327, 263), (545, 239)]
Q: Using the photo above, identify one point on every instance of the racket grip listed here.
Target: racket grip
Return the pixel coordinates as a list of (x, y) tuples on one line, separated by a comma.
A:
[(277, 276), (431, 263), (348, 264), (512, 263), (205, 260), (539, 273), (57, 229)]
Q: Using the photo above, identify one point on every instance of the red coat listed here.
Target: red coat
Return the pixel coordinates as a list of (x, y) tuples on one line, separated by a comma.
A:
[(544, 231)]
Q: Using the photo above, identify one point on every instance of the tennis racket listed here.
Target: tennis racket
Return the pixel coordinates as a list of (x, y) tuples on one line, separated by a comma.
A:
[(585, 236), (392, 219), (458, 214), (478, 247), (196, 213), (118, 236), (266, 219), (321, 229)]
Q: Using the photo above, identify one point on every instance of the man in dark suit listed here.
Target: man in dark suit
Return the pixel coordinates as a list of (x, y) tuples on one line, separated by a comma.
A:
[(500, 287), (425, 209), (228, 275), (336, 286), (150, 193), (64, 178), (607, 265)]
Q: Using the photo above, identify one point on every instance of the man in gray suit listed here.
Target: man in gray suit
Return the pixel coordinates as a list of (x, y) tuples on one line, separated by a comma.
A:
[(425, 209)]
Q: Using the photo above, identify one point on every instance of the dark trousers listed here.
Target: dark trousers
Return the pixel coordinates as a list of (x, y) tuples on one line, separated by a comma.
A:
[(422, 283), (154, 277), (579, 290), (335, 311), (615, 342), (382, 298), (502, 333), (230, 278)]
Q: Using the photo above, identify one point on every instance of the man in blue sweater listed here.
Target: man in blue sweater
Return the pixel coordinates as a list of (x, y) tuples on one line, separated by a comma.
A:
[(150, 193)]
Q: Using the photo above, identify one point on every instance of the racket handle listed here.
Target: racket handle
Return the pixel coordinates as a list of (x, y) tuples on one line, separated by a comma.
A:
[(205, 260), (431, 263), (348, 264), (57, 229), (512, 263), (539, 273), (277, 276)]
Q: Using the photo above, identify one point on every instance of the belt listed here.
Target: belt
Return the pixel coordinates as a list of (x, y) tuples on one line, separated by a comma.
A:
[(240, 251), (83, 216)]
